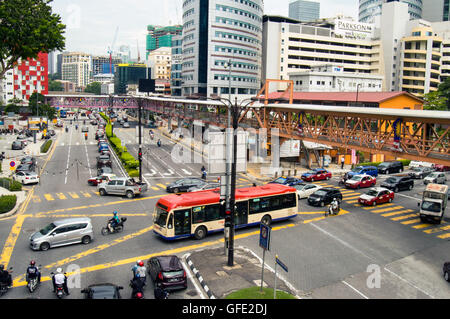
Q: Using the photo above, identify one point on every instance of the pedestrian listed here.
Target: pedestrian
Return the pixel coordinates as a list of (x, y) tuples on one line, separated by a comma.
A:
[(342, 162)]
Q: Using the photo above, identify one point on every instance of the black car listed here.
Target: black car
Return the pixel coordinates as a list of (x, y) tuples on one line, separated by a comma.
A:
[(398, 183), (446, 270), (167, 272), (324, 196), (25, 168), (102, 291), (104, 170), (204, 187), (182, 185), (289, 181), (28, 160), (390, 167), (17, 145), (103, 160)]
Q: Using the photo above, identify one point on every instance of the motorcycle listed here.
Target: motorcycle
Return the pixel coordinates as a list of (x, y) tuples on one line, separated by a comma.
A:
[(67, 129), (138, 293), (159, 143), (33, 283), (343, 180), (117, 229), (86, 137), (333, 209), (59, 289), (3, 286)]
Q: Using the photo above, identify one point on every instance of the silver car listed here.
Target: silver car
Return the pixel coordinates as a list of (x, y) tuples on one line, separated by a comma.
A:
[(63, 232), (435, 177)]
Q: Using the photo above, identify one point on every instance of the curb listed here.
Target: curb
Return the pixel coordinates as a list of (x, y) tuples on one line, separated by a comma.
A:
[(199, 277), (14, 210)]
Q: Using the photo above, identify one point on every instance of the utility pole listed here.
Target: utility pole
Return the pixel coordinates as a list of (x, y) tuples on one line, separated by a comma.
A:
[(228, 136), (111, 102), (140, 140)]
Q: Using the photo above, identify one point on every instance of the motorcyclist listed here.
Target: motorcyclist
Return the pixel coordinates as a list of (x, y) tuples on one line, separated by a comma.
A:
[(335, 206), (60, 279), (33, 272), (140, 271), (203, 169), (113, 222), (137, 286), (5, 276), (159, 143), (76, 126), (85, 136)]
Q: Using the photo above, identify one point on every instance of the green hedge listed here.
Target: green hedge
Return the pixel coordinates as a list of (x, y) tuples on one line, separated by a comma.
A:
[(133, 172), (46, 146), (7, 202), (10, 184)]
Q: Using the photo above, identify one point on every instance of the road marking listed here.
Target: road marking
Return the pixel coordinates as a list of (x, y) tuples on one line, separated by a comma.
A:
[(61, 196), (374, 207), (351, 197), (85, 194), (421, 226), (161, 185), (414, 221), (10, 242), (444, 236), (186, 171), (68, 157), (397, 213), (36, 199), (48, 197), (387, 209), (409, 197), (74, 195), (404, 217), (408, 282), (436, 230), (155, 188), (356, 290), (352, 201)]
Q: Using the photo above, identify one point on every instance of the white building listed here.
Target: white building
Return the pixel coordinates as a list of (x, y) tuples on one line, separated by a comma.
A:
[(77, 68), (214, 34), (370, 10), (332, 78), (160, 62)]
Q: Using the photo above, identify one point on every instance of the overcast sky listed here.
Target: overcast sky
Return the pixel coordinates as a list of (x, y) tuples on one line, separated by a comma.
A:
[(91, 24)]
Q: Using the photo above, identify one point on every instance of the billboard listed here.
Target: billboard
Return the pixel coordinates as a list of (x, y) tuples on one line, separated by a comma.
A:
[(353, 30)]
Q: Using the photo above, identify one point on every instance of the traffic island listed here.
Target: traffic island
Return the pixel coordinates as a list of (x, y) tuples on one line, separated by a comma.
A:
[(219, 281)]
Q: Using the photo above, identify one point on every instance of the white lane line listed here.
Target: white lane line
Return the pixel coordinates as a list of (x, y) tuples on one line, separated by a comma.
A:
[(87, 156), (408, 196), (356, 290), (68, 157), (391, 272)]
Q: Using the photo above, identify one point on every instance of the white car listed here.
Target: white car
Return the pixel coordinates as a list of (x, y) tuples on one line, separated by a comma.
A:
[(435, 177), (304, 190), (26, 177), (420, 164)]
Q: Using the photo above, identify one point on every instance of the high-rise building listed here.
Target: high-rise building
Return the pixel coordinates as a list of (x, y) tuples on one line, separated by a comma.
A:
[(126, 77), (101, 64), (222, 37), (160, 60), (370, 10), (59, 64), (305, 11), (25, 78), (51, 62), (436, 10), (159, 37), (77, 68), (177, 62)]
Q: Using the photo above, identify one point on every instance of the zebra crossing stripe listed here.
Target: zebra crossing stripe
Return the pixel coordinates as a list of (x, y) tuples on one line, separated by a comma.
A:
[(397, 213), (447, 235), (154, 188), (404, 217), (413, 221), (74, 195), (387, 209), (436, 230), (422, 226), (374, 207), (48, 197)]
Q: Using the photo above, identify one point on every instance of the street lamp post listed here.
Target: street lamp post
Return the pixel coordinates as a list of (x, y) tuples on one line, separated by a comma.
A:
[(357, 92), (140, 139), (111, 103)]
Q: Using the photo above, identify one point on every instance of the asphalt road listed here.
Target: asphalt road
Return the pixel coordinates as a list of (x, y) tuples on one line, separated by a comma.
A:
[(327, 257)]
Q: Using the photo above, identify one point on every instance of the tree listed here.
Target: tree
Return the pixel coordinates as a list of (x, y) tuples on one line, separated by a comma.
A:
[(444, 90), (55, 86), (28, 27), (13, 105), (435, 101), (94, 87)]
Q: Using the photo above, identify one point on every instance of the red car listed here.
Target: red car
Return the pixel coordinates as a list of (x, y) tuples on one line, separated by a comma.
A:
[(94, 181), (316, 175), (375, 196), (441, 168), (358, 181)]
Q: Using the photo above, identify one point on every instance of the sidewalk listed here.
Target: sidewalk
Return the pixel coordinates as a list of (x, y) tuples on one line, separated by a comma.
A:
[(217, 280), (21, 196)]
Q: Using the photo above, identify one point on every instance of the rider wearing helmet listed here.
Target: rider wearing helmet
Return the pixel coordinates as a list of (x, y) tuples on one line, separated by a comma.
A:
[(60, 279), (139, 271), (5, 276), (113, 222), (33, 272)]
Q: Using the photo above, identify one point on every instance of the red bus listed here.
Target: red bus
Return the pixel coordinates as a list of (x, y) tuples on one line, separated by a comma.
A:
[(199, 213)]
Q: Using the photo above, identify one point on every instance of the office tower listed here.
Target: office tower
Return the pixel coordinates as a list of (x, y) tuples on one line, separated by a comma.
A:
[(370, 10), (77, 68), (305, 11), (159, 37), (436, 10)]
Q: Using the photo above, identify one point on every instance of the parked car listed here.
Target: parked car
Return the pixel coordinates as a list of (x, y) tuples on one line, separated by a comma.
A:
[(375, 196), (420, 172), (167, 272), (204, 187), (390, 167), (104, 170), (182, 185), (324, 196), (358, 181), (289, 181), (63, 232), (436, 178), (122, 186), (25, 168), (102, 291), (94, 181), (17, 145), (85, 129), (26, 177), (441, 168), (359, 170), (99, 134), (316, 175), (420, 164), (103, 160), (126, 124), (446, 271), (304, 190), (103, 147), (28, 160), (398, 183)]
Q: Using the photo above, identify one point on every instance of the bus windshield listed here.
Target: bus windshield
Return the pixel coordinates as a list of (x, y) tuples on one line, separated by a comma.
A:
[(161, 217), (431, 206)]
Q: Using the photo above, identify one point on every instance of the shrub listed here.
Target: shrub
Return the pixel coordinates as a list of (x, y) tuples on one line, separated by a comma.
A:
[(7, 202), (125, 157), (11, 185), (46, 146), (131, 164), (133, 172)]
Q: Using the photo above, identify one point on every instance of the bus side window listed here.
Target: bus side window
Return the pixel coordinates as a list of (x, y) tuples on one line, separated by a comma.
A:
[(275, 202), (254, 206), (288, 200), (198, 214), (170, 222), (212, 212)]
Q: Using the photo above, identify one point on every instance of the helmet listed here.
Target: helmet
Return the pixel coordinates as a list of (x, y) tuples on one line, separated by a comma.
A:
[(32, 263), (115, 213), (139, 295), (59, 270), (141, 263)]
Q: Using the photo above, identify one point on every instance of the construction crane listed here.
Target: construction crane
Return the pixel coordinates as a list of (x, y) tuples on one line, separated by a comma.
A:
[(111, 50)]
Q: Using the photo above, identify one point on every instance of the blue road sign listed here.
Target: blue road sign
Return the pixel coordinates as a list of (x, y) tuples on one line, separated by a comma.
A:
[(279, 262), (264, 236)]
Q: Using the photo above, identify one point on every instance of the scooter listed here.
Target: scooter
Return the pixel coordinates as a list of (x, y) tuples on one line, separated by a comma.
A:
[(59, 289), (33, 282), (67, 129), (333, 209), (117, 229), (343, 180), (138, 294)]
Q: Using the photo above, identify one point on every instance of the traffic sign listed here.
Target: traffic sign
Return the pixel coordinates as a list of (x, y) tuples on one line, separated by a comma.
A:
[(264, 236), (279, 262), (12, 165)]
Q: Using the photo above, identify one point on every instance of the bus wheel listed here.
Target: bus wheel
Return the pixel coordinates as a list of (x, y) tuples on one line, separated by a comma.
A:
[(266, 220), (200, 233)]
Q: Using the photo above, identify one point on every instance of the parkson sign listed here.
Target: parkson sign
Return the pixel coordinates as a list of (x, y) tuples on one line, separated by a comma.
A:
[(353, 30)]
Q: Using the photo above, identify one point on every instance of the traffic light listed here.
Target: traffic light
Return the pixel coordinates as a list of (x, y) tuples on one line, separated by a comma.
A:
[(228, 218), (140, 156)]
